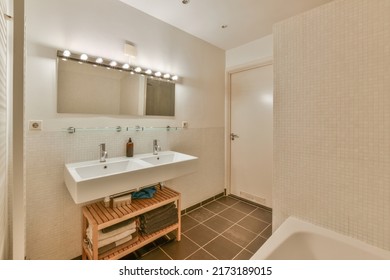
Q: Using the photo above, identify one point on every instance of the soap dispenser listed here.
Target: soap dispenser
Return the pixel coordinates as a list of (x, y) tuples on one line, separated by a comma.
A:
[(129, 148)]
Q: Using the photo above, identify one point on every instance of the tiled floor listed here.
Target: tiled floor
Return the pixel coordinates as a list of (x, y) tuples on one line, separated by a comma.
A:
[(224, 229)]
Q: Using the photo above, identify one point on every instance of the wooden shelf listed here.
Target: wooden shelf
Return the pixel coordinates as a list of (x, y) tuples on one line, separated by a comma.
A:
[(98, 216)]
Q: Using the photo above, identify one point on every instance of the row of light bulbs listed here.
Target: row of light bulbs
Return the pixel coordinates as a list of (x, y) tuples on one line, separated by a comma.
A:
[(98, 61)]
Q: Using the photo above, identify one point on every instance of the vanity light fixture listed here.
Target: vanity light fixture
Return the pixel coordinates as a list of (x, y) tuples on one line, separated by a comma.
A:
[(66, 53), (84, 57), (99, 61)]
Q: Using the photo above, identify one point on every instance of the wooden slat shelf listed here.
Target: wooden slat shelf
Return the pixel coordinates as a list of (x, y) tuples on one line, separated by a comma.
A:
[(100, 217)]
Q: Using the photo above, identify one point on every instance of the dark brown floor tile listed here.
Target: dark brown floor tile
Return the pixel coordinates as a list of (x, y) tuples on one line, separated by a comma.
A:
[(201, 214), (267, 232), (215, 206), (179, 250), (239, 235), (219, 224), (262, 214), (187, 223), (244, 207), (222, 248), (232, 215), (227, 200), (244, 255), (201, 234), (201, 255), (253, 224), (156, 254), (256, 244)]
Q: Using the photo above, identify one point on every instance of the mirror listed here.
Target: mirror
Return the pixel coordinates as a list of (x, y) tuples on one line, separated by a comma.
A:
[(84, 88)]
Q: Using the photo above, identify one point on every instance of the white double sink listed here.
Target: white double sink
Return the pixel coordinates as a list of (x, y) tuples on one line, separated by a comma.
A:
[(91, 180)]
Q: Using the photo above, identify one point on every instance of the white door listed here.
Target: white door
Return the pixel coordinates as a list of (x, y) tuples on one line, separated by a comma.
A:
[(251, 134)]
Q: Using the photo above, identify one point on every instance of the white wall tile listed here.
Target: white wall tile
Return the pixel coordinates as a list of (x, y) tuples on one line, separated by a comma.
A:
[(54, 220), (332, 119)]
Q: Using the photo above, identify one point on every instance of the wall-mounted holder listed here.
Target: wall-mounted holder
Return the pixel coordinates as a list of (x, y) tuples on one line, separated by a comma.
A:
[(138, 128), (72, 130)]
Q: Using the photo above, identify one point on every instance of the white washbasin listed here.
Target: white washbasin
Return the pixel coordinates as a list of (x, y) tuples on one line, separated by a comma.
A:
[(91, 180), (165, 158), (101, 169)]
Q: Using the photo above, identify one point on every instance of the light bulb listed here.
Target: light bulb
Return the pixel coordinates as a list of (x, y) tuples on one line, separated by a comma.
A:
[(126, 66), (113, 63), (157, 74), (138, 69), (175, 78), (148, 72), (84, 56), (66, 53), (167, 76), (99, 60)]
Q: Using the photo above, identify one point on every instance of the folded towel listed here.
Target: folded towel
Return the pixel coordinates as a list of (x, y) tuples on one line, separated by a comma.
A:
[(118, 225), (133, 237), (159, 211), (114, 238), (144, 193), (102, 235), (171, 213), (126, 239), (159, 226)]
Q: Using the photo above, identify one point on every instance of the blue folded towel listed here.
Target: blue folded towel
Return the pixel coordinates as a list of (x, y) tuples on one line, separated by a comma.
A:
[(144, 193)]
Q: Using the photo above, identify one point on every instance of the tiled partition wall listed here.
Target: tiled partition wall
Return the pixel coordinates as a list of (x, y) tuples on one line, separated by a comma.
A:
[(332, 119), (54, 220)]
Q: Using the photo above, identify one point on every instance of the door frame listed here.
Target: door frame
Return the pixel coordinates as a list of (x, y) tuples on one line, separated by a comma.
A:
[(229, 72)]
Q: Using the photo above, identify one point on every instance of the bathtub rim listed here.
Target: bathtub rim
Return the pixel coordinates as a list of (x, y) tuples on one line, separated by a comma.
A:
[(293, 225)]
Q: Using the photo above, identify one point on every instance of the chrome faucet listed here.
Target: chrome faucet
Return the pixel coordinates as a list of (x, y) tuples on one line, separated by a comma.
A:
[(156, 147), (103, 152)]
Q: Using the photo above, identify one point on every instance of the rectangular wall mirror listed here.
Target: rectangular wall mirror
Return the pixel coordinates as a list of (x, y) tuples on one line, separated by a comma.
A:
[(84, 88)]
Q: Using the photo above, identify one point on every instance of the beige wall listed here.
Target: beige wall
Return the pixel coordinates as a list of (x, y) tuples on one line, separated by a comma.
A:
[(100, 28), (332, 119), (253, 52)]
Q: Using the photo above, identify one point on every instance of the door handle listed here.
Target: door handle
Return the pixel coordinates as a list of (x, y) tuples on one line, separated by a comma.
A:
[(233, 136)]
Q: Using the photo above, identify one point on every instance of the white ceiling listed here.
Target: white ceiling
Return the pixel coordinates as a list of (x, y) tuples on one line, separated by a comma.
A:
[(247, 20)]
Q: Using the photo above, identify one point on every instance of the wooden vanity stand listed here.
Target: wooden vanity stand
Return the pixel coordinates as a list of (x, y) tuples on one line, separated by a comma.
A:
[(99, 217)]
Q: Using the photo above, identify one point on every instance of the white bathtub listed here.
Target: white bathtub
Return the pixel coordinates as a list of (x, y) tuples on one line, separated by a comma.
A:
[(299, 240)]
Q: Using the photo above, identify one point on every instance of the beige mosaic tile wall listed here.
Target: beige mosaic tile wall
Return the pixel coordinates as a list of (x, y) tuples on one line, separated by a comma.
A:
[(332, 119)]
